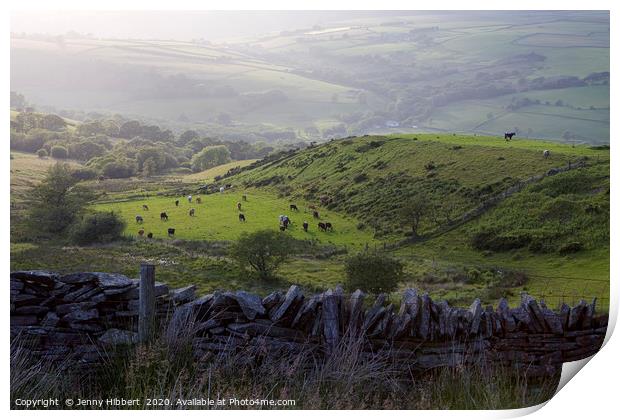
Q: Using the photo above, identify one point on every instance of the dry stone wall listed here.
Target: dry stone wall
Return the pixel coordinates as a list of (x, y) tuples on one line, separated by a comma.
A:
[(80, 314)]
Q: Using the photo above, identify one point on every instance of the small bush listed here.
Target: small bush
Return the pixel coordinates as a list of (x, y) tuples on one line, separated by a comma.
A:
[(42, 153), (97, 227), (374, 273), (59, 152), (570, 248), (360, 178), (84, 174), (262, 251)]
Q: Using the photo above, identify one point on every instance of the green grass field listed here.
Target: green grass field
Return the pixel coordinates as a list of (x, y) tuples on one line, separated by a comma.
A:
[(216, 218)]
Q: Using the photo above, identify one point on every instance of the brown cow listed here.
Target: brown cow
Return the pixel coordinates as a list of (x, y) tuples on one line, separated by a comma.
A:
[(198, 200), (239, 206), (141, 232), (192, 212)]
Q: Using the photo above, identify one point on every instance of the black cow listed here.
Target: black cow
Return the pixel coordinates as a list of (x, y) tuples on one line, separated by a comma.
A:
[(305, 225), (139, 219), (145, 207), (508, 136), (322, 226), (192, 212), (294, 207), (328, 226), (176, 203), (241, 217), (163, 216), (149, 235), (170, 231)]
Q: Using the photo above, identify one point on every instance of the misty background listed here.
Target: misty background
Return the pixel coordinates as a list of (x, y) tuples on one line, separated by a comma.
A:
[(284, 76)]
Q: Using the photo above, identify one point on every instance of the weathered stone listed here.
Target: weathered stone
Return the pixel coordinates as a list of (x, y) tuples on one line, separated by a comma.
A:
[(575, 315), (356, 304), (112, 280), (553, 321), (307, 312), (31, 310), (401, 326), (26, 299), (330, 320), (271, 300), (80, 293), (475, 311), (588, 314), (115, 337), (116, 291), (79, 278), (16, 285), (71, 307), (292, 295), (537, 323), (86, 327), (133, 291), (81, 315), (24, 320), (46, 278), (50, 320), (183, 294), (254, 328), (374, 313), (250, 304), (522, 316), (424, 326)]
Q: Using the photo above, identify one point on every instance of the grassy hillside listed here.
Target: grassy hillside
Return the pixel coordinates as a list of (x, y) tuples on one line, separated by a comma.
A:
[(550, 238), (372, 177)]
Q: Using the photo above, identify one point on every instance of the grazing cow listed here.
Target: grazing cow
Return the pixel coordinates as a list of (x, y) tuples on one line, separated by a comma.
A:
[(328, 226), (239, 206), (244, 197), (241, 217), (149, 235), (139, 219), (170, 231), (285, 222), (163, 216), (322, 226), (546, 154), (221, 189), (315, 214), (508, 136), (192, 212), (145, 207), (189, 198), (305, 225), (293, 207), (176, 203), (198, 200), (141, 232)]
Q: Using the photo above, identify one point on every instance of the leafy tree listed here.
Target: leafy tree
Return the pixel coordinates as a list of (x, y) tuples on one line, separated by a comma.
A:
[(86, 150), (155, 156), (97, 227), (186, 136), (262, 251), (413, 212), (121, 168), (42, 153), (130, 129), (210, 157), (18, 101), (56, 202), (373, 272), (59, 152), (52, 122)]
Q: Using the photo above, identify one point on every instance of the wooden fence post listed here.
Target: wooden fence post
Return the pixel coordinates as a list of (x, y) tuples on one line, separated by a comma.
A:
[(146, 313)]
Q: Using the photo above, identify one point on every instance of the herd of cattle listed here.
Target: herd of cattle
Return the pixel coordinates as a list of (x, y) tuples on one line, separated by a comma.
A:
[(284, 220)]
